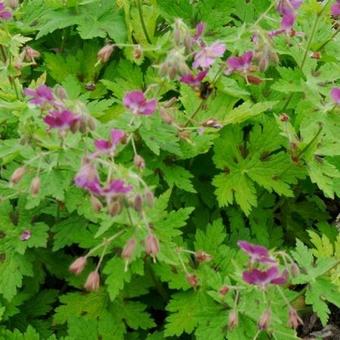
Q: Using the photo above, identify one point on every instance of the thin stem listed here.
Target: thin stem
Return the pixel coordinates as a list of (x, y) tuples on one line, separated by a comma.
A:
[(102, 256), (328, 40), (315, 24), (140, 12), (264, 14)]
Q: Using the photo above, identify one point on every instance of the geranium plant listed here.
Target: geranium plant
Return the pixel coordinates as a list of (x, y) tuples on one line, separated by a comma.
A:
[(169, 169)]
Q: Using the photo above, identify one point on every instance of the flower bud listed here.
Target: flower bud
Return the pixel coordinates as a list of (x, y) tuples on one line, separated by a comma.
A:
[(93, 282), (294, 321), (202, 256), (60, 92), (165, 115), (254, 80), (96, 204), (139, 162), (78, 265), (192, 279), (31, 54), (264, 321), (294, 269), (128, 249), (174, 65), (233, 319), (104, 53), (35, 186), (151, 245), (137, 52), (17, 175), (91, 123), (224, 290), (114, 208), (13, 3), (138, 203), (149, 197)]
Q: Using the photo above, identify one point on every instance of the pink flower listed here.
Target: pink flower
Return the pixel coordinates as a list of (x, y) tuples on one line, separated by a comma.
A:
[(257, 253), (288, 21), (103, 145), (200, 28), (4, 14), (92, 282), (264, 278), (116, 187), (88, 178), (207, 55), (137, 103), (193, 80), (288, 6), (78, 265), (152, 245), (335, 94), (264, 321), (294, 321), (335, 9), (241, 63), (60, 119), (41, 95), (25, 235)]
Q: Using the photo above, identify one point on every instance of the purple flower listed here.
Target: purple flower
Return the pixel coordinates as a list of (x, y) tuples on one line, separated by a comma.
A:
[(241, 63), (88, 178), (193, 80), (335, 94), (137, 103), (335, 9), (288, 6), (103, 145), (60, 119), (263, 278), (41, 95), (257, 253), (200, 28), (288, 21), (25, 235), (115, 187), (207, 55), (4, 14)]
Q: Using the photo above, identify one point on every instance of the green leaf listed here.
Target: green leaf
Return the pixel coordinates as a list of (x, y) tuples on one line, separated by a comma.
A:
[(12, 271), (178, 176)]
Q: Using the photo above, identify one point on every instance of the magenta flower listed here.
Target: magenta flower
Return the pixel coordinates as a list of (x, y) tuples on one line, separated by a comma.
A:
[(241, 63), (103, 145), (60, 119), (264, 278), (137, 103), (88, 178), (335, 9), (288, 6), (4, 14), (288, 21), (41, 95), (193, 80), (335, 94), (25, 235), (257, 253), (116, 187), (200, 28), (207, 55)]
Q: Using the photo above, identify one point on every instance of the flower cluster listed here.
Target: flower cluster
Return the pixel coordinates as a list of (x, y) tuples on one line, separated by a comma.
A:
[(261, 277), (58, 116)]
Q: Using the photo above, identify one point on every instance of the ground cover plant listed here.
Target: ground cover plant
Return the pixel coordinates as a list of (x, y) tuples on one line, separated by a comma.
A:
[(169, 169)]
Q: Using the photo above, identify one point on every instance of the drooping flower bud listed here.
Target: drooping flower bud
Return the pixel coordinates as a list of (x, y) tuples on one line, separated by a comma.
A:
[(104, 53), (174, 65), (114, 208), (202, 256), (138, 203), (78, 265), (96, 204), (128, 249), (18, 175), (254, 80), (192, 279), (139, 162), (137, 52), (233, 319), (294, 269), (264, 321), (93, 282), (224, 290), (13, 3), (31, 54), (165, 115), (152, 245), (294, 321), (149, 197), (35, 185)]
